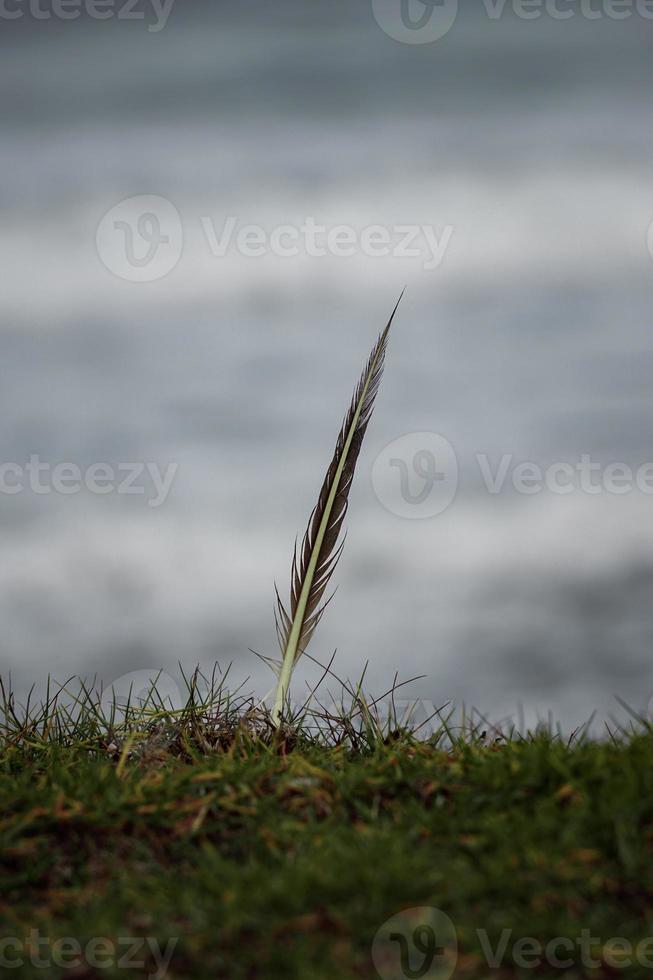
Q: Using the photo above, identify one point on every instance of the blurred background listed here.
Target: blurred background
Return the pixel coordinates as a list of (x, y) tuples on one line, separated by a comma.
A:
[(525, 145)]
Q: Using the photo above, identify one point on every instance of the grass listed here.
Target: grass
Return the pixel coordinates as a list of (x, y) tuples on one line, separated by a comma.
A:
[(280, 854)]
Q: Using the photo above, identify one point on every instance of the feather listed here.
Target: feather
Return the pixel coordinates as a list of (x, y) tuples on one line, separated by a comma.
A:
[(315, 560)]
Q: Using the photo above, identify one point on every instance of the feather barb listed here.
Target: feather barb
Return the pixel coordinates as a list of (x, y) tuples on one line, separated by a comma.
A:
[(315, 560)]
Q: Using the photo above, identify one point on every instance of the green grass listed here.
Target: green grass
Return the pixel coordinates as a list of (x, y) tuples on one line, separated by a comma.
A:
[(280, 855)]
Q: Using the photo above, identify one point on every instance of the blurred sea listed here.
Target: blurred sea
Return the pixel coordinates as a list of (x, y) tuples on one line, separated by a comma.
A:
[(533, 140)]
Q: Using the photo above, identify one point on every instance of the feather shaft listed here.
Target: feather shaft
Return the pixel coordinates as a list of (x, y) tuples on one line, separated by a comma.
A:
[(315, 562)]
